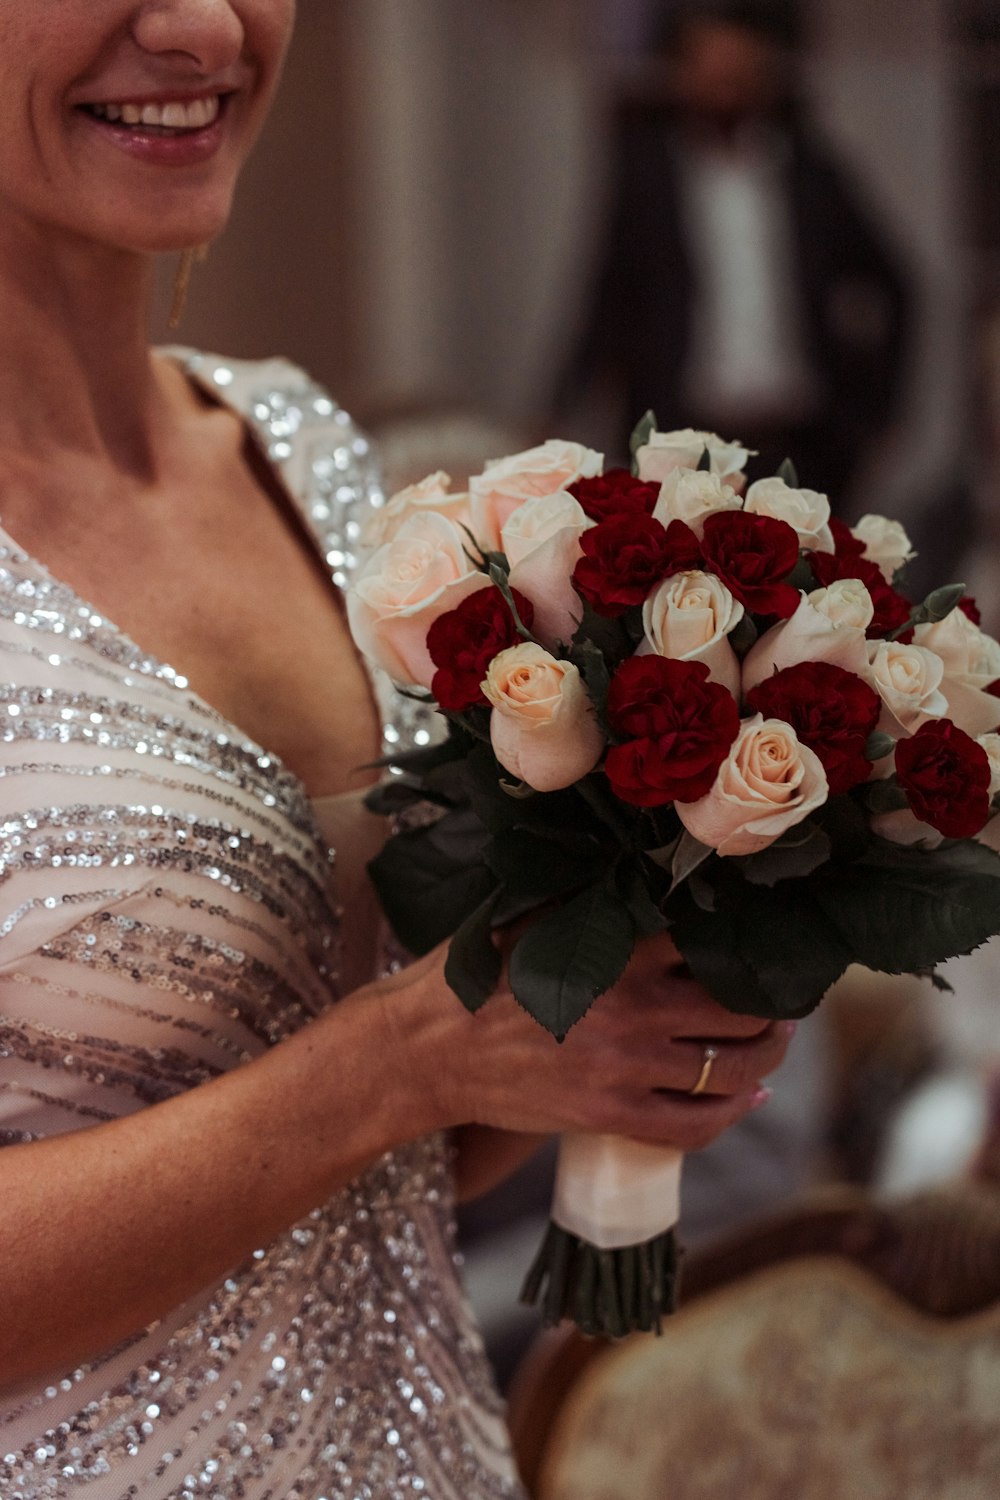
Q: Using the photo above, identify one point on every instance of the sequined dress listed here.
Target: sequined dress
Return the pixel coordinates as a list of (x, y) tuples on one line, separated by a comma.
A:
[(169, 910)]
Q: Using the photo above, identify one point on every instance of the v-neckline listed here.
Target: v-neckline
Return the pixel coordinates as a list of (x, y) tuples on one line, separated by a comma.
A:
[(165, 671)]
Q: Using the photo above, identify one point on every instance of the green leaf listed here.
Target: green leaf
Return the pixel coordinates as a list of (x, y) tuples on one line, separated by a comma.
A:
[(593, 669), (641, 434), (537, 866), (789, 473), (759, 954), (608, 636), (903, 910), (885, 795), (743, 637), (633, 884), (572, 955), (430, 879), (789, 858), (475, 963), (688, 856), (499, 578), (879, 746)]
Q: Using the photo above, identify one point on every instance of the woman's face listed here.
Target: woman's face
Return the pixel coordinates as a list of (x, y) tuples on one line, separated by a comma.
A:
[(126, 122)]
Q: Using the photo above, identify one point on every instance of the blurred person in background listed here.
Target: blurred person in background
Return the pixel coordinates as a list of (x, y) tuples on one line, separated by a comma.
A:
[(743, 286)]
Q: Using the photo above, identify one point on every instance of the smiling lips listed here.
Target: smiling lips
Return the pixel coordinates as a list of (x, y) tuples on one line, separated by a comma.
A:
[(176, 116)]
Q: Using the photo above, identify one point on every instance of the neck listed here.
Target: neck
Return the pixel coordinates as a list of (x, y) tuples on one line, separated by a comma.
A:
[(76, 376)]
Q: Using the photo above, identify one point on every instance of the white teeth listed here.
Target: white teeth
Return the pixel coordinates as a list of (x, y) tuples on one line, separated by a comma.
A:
[(193, 115)]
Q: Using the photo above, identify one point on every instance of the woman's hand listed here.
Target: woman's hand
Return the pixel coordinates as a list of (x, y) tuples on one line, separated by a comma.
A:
[(627, 1068)]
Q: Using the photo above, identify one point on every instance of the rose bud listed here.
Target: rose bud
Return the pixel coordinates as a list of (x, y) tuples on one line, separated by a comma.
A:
[(689, 617), (892, 610), (509, 482), (806, 511), (543, 726), (767, 784), (403, 588)]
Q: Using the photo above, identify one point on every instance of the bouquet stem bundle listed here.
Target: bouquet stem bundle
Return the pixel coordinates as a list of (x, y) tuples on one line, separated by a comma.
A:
[(604, 1292)]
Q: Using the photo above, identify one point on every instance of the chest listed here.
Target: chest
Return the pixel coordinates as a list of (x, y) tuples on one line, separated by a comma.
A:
[(222, 583)]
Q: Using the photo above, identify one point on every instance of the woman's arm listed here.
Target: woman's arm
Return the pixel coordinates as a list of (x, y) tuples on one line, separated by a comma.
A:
[(485, 1157), (220, 1170)]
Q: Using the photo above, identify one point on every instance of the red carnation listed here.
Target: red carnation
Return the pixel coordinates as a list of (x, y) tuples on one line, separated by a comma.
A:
[(754, 556), (892, 609), (845, 543), (946, 778), (680, 727), (831, 710), (968, 606), (615, 493), (623, 560), (463, 642)]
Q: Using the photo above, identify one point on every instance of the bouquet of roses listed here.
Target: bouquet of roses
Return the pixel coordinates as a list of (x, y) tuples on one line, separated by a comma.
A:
[(672, 701)]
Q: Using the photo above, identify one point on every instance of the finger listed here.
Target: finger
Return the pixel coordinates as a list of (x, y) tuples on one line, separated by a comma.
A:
[(736, 1068), (701, 1016), (689, 1124)]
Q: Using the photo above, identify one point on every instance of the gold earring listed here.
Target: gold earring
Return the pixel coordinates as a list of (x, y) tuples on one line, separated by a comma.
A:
[(182, 282)]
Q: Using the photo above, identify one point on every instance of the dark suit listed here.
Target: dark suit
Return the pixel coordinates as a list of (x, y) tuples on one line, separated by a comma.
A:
[(854, 303)]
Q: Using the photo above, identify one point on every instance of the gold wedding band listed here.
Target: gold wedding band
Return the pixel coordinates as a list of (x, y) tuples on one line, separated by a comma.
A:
[(711, 1053)]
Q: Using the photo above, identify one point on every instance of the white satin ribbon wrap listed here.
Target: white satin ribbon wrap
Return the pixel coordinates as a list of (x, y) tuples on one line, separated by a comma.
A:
[(613, 1192)]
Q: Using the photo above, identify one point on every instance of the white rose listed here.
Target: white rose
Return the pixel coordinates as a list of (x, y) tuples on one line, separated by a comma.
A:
[(689, 617), (433, 493), (507, 483), (908, 680), (886, 543), (829, 625), (542, 543), (692, 494), (403, 588), (971, 663), (991, 744), (806, 511), (684, 449), (543, 727), (769, 782)]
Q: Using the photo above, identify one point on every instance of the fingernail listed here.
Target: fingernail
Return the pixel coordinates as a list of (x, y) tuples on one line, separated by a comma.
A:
[(761, 1098)]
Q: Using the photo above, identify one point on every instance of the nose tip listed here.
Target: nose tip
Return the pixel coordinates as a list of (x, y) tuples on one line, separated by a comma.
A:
[(207, 31)]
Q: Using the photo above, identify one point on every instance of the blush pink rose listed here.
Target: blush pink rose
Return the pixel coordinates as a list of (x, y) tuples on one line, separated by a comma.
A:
[(508, 483), (691, 496), (433, 493), (769, 782), (543, 727), (542, 543), (908, 680), (829, 625), (689, 617), (684, 449), (971, 664), (806, 511), (403, 587)]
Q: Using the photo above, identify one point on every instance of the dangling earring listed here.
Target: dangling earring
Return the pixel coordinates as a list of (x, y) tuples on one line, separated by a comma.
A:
[(182, 282)]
